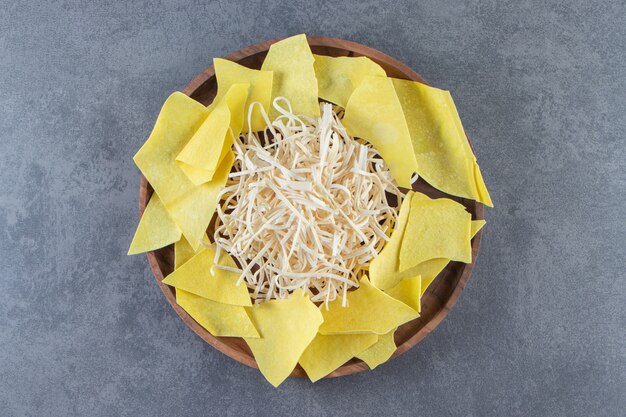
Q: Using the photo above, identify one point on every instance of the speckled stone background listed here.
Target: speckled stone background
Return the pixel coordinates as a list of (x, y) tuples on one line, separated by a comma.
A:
[(540, 329)]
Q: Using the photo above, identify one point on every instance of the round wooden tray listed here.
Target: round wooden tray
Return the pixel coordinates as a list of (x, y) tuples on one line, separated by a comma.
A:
[(440, 296)]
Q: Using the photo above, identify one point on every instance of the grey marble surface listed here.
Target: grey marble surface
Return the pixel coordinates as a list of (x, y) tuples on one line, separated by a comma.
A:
[(540, 329)]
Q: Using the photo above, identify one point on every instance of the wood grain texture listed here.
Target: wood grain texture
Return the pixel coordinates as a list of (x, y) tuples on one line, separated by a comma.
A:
[(440, 297)]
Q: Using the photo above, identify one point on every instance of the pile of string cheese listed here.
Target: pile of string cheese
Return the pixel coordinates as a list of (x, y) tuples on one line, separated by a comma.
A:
[(306, 206)]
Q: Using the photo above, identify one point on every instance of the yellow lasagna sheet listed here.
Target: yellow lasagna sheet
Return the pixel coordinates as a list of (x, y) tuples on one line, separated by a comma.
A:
[(409, 291), (369, 310), (379, 352), (229, 73), (327, 353), (210, 144), (219, 319), (286, 327), (190, 206), (184, 252), (374, 113), (195, 210), (436, 228), (291, 61), (198, 276), (444, 156), (338, 77), (384, 269), (156, 228), (429, 270)]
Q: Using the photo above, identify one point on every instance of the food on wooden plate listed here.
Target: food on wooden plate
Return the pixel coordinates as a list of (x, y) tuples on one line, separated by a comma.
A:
[(317, 250)]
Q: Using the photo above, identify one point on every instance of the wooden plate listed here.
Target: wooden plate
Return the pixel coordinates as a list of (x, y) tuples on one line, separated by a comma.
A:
[(440, 296)]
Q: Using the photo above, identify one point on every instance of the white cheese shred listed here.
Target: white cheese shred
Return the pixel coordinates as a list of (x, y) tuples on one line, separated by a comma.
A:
[(305, 207)]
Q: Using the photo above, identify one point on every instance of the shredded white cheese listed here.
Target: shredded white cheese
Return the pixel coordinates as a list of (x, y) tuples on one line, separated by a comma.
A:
[(305, 207)]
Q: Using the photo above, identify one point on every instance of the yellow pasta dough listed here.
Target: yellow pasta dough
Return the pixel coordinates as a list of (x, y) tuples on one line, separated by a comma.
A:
[(338, 77), (156, 228), (429, 270), (477, 225), (327, 353), (384, 269), (208, 146), (178, 120), (409, 291), (369, 310), (379, 352), (291, 61), (374, 113), (195, 277), (286, 327), (436, 228), (193, 211), (184, 252), (444, 156), (229, 73), (190, 206), (219, 319)]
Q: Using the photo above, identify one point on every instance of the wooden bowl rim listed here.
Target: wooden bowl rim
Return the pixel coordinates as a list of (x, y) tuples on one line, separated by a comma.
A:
[(219, 343)]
